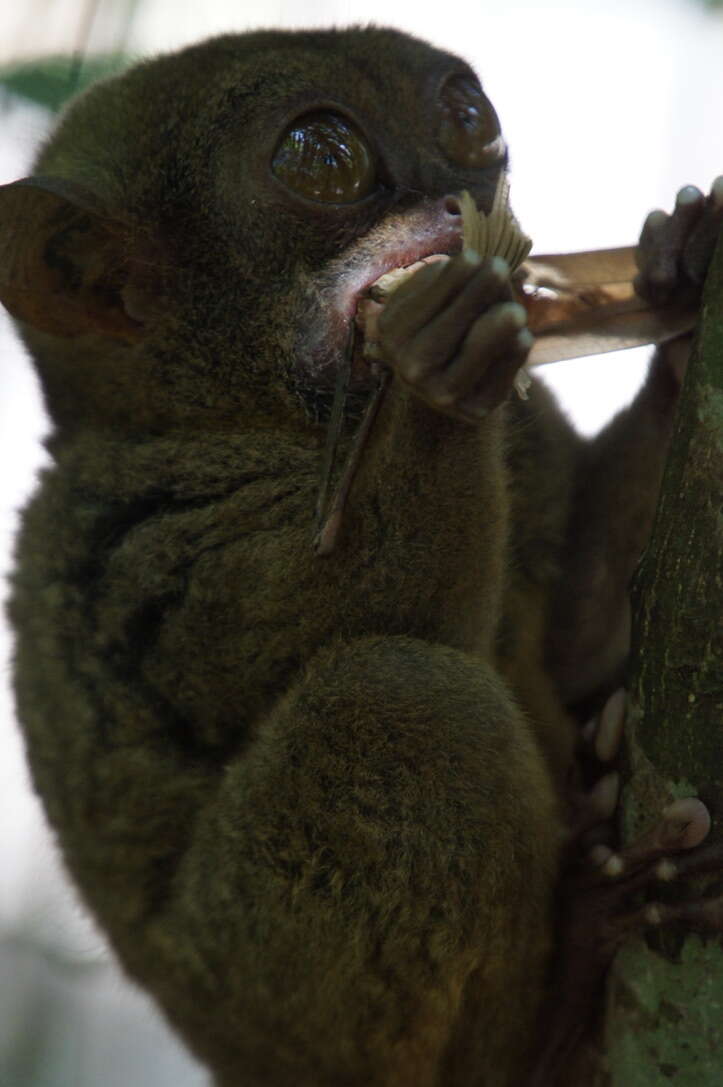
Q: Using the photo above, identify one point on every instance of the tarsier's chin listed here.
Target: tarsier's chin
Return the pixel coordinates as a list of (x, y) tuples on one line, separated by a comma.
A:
[(316, 804)]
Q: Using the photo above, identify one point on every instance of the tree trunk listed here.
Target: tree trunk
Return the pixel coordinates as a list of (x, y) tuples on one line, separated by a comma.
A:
[(664, 1020)]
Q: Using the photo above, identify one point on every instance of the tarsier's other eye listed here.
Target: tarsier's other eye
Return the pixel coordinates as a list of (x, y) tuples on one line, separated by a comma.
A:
[(469, 132), (323, 156)]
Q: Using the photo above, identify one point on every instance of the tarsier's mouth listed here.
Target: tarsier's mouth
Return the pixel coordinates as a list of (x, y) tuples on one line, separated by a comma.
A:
[(371, 302), (494, 234), (337, 311), (348, 298)]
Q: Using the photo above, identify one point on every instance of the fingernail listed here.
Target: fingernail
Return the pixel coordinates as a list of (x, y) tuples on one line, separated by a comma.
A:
[(500, 267), (666, 871), (513, 313), (610, 729), (652, 914), (689, 194), (471, 257), (656, 220), (613, 867)]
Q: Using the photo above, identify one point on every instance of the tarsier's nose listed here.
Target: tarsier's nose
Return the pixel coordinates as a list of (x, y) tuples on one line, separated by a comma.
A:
[(453, 207)]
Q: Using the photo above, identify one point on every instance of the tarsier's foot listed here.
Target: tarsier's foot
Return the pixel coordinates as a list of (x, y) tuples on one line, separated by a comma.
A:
[(675, 250), (600, 897), (610, 877), (454, 337)]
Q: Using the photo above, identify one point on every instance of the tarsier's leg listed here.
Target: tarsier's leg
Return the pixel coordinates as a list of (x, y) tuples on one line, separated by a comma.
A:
[(381, 858), (617, 486), (620, 472), (600, 906)]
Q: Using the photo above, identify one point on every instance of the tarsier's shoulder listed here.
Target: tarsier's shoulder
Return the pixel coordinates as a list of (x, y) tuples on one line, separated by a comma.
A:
[(140, 514)]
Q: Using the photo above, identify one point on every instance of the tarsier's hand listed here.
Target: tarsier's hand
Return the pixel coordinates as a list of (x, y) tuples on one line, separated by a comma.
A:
[(675, 250), (454, 337)]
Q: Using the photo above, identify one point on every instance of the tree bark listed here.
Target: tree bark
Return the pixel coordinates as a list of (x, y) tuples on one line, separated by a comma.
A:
[(664, 1021)]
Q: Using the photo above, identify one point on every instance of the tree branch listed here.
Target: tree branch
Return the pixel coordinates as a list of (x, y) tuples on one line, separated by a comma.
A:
[(665, 1013)]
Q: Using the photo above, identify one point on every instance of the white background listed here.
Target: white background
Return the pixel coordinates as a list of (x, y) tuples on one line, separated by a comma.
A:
[(608, 109)]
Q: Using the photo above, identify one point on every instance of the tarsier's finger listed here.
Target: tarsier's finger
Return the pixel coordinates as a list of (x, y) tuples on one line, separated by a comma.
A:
[(700, 911), (696, 862), (689, 206), (489, 339), (703, 913), (439, 341), (596, 806), (663, 235), (610, 726), (590, 823), (431, 350), (651, 236), (651, 251), (420, 299), (432, 325), (683, 825), (498, 378), (699, 248), (661, 244)]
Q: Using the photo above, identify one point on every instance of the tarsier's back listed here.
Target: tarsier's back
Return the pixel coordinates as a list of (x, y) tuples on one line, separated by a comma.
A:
[(313, 801)]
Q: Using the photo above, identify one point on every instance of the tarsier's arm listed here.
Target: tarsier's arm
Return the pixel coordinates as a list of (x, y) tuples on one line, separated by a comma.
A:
[(311, 800), (619, 473)]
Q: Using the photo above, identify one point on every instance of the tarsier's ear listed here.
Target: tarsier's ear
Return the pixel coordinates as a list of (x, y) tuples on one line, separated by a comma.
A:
[(64, 265)]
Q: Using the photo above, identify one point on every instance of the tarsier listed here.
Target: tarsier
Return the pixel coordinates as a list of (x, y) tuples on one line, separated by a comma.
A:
[(320, 804)]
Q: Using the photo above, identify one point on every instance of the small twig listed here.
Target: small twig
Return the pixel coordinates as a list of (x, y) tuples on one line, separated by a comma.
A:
[(336, 423), (329, 527)]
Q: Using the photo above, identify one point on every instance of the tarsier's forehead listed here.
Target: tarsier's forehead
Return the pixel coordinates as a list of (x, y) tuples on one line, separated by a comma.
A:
[(368, 67), (369, 50)]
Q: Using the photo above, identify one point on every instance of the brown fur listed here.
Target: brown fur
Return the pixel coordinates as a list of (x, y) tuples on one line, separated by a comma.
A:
[(314, 819)]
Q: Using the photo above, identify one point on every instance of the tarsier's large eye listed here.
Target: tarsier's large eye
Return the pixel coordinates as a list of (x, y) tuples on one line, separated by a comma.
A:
[(324, 157), (469, 132)]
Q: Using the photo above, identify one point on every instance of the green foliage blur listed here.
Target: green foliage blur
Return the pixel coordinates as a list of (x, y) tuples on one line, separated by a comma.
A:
[(51, 81)]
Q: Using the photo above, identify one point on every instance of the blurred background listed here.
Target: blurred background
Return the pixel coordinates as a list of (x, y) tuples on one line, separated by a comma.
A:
[(608, 107)]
